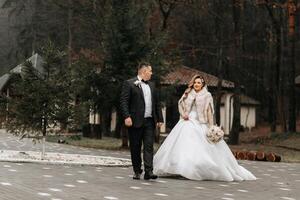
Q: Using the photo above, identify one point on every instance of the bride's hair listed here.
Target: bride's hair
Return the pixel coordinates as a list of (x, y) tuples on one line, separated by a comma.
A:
[(191, 84)]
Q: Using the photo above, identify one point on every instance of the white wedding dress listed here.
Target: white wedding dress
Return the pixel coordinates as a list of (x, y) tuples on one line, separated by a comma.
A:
[(187, 152)]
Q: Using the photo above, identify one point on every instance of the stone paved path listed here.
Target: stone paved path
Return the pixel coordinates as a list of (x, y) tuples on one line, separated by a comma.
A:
[(27, 181)]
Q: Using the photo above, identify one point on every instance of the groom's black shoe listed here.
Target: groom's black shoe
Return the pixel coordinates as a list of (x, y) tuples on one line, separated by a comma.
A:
[(150, 175), (137, 175)]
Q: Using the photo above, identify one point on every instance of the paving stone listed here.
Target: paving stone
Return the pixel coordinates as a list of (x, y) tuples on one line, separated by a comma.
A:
[(31, 181)]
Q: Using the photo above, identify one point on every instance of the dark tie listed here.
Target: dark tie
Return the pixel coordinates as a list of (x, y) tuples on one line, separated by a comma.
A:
[(146, 82)]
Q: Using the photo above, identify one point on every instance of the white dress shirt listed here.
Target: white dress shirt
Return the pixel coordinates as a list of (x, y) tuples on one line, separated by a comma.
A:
[(147, 97)]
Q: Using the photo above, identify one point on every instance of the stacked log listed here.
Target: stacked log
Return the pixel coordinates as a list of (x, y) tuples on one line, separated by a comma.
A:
[(256, 155), (241, 155), (261, 156), (251, 155), (273, 157)]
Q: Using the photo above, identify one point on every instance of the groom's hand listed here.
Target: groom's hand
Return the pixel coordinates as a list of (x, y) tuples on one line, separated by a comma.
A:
[(128, 122)]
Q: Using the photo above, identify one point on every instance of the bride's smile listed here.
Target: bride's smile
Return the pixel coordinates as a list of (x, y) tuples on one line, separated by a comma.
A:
[(198, 85)]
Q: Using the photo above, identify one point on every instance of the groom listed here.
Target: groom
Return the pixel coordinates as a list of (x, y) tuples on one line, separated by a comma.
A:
[(141, 111)]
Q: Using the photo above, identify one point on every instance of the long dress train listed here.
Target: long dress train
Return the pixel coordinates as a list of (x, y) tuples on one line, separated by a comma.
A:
[(187, 152)]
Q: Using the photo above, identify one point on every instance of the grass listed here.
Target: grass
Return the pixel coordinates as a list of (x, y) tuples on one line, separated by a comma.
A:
[(107, 143)]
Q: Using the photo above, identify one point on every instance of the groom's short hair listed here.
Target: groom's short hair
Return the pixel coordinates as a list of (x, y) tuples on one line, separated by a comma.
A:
[(143, 65)]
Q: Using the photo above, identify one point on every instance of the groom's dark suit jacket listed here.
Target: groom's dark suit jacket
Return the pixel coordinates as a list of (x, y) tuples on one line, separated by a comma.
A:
[(133, 104)]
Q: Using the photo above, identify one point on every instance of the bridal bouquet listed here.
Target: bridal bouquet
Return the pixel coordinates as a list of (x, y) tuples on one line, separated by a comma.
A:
[(214, 134)]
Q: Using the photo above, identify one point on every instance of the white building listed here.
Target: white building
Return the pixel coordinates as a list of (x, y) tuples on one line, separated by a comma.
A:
[(248, 112)]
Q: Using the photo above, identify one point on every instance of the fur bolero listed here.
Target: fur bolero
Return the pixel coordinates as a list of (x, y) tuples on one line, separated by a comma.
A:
[(203, 101)]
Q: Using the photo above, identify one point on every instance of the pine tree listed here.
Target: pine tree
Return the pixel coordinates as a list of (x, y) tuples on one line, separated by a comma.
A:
[(40, 100), (128, 42), (122, 41)]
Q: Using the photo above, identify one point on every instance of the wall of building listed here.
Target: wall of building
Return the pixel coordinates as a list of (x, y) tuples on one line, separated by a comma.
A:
[(248, 117)]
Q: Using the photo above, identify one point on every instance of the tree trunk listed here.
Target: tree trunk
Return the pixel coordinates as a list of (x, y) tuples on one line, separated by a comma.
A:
[(43, 148), (235, 131), (121, 130), (236, 123), (273, 108), (272, 91), (44, 120), (70, 33), (291, 89), (165, 9), (120, 122), (282, 72), (34, 27), (276, 81), (219, 91), (219, 40), (105, 122), (282, 110), (99, 127), (93, 124)]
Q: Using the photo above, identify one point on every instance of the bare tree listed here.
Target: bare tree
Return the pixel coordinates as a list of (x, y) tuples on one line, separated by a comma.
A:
[(291, 90), (166, 7), (235, 130), (276, 83)]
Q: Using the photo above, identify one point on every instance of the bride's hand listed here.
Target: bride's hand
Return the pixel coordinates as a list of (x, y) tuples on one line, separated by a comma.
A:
[(185, 117)]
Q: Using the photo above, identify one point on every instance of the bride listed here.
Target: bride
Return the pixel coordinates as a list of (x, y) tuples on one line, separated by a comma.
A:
[(187, 152)]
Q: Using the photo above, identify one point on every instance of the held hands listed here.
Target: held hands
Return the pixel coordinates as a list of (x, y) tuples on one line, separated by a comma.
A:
[(128, 122)]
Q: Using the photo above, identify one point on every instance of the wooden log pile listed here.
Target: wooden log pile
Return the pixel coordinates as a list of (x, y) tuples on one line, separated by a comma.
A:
[(256, 155)]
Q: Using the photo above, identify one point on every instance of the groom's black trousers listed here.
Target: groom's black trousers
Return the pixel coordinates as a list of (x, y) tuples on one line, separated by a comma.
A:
[(138, 136)]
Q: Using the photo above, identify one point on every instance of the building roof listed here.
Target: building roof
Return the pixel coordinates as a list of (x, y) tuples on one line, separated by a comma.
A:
[(37, 62), (245, 100), (182, 75), (248, 100), (3, 80)]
